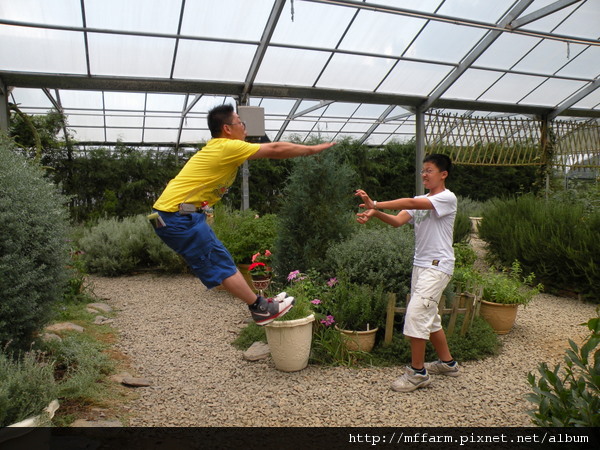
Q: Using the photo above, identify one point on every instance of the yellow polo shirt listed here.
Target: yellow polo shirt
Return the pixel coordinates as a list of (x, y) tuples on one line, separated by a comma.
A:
[(208, 174)]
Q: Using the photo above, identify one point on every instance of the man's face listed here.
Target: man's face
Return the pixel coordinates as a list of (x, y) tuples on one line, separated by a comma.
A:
[(236, 129), (431, 175)]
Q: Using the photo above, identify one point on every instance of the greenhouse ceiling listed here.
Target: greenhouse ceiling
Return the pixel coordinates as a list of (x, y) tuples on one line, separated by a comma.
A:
[(147, 71)]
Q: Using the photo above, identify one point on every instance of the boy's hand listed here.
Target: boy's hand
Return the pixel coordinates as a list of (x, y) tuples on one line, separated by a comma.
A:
[(363, 217), (368, 203)]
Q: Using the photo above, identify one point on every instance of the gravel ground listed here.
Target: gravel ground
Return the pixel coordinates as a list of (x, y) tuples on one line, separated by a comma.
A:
[(178, 335)]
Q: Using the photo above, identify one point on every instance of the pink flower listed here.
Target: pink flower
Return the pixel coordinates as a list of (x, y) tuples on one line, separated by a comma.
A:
[(316, 301), (256, 255), (328, 321), (293, 275), (332, 282), (267, 253)]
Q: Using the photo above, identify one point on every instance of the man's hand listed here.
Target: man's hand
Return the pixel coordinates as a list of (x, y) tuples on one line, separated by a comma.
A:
[(368, 203)]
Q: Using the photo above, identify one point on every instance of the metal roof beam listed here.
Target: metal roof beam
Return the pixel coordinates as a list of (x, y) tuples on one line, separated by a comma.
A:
[(262, 48), (380, 120), (288, 119), (481, 47), (540, 13), (575, 98), (82, 82), (321, 104)]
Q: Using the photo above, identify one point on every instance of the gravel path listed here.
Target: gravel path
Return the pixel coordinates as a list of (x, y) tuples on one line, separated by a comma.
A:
[(178, 335)]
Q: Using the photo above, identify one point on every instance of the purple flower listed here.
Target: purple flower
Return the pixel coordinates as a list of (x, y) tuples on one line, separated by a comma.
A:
[(332, 282), (316, 301)]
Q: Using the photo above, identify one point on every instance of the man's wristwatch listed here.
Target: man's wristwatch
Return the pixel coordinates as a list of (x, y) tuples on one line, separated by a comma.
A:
[(374, 204)]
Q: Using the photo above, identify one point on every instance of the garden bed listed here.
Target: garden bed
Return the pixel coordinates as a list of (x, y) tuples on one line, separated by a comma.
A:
[(179, 335)]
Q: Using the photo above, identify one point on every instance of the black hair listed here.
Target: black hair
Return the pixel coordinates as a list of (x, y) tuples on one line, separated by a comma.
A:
[(442, 162), (217, 117)]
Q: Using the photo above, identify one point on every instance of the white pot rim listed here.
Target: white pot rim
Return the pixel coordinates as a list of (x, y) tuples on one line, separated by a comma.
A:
[(292, 323)]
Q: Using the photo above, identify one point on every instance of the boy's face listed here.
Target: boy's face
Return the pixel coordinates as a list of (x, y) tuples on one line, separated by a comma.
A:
[(432, 177)]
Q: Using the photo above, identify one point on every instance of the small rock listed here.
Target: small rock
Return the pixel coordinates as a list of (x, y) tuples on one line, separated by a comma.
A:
[(119, 377), (100, 307), (47, 337), (64, 326), (257, 351), (136, 382), (101, 320)]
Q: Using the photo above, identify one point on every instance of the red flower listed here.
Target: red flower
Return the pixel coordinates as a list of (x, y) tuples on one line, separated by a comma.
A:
[(256, 265)]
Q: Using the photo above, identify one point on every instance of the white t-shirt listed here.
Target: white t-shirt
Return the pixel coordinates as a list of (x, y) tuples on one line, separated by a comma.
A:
[(433, 232)]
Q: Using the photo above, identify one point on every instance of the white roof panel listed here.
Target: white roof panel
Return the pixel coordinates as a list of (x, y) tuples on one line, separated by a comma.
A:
[(149, 69)]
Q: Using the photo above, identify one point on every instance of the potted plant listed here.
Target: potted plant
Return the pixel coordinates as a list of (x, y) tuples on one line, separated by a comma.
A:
[(359, 311), (502, 293), (290, 337), (261, 271)]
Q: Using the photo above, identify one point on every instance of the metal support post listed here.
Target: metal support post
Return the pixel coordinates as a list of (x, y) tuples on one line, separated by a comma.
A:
[(420, 151)]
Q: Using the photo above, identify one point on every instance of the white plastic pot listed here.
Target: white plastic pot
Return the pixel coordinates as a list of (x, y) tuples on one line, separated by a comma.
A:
[(33, 432), (289, 342)]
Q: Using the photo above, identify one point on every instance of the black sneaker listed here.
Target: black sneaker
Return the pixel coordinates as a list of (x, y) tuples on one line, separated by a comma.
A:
[(269, 309)]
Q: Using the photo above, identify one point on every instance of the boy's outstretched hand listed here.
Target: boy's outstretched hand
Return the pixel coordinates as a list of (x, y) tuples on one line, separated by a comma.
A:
[(368, 203), (363, 217)]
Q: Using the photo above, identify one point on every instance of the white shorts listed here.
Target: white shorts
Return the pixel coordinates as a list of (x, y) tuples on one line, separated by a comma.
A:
[(422, 316)]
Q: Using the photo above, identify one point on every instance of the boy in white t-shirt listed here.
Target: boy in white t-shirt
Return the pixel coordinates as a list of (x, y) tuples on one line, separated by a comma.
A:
[(433, 218)]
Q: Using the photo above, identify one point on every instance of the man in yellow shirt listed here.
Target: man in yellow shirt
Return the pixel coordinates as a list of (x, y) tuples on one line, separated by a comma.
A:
[(201, 183)]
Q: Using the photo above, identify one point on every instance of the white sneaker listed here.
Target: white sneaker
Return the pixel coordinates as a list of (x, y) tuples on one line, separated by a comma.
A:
[(269, 309), (410, 381), (441, 368)]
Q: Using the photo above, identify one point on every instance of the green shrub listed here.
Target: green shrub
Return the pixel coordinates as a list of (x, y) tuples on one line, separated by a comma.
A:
[(464, 254), (116, 247), (244, 233), (33, 248), (315, 211), (377, 256), (570, 397), (26, 387), (357, 306), (556, 240), (81, 364)]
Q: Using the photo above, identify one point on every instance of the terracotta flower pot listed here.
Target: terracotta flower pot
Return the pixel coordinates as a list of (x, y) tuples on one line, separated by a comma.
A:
[(500, 316), (359, 340)]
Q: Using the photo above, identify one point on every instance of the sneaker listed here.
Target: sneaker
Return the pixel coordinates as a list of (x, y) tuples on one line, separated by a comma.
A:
[(410, 381), (269, 309), (441, 368)]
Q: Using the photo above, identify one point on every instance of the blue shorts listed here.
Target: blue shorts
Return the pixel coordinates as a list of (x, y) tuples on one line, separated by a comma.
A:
[(191, 237)]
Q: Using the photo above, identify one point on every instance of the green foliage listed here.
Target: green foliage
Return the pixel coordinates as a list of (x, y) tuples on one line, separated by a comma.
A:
[(116, 247), (266, 182), (122, 182), (378, 256), (33, 248), (244, 233), (81, 364), (26, 387), (462, 227), (508, 287), (557, 240), (483, 183), (315, 211), (357, 306), (249, 335), (570, 397), (464, 255)]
